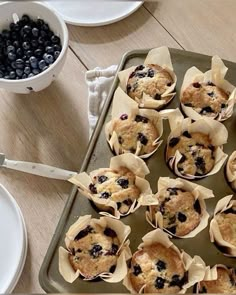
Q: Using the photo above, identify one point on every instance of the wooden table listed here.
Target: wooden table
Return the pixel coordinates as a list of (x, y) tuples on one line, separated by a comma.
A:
[(52, 127)]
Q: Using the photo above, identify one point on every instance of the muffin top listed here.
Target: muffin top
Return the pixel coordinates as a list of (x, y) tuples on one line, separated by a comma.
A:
[(94, 251), (225, 283), (135, 133), (150, 79), (118, 185), (181, 212), (207, 99), (227, 225), (159, 268), (197, 153)]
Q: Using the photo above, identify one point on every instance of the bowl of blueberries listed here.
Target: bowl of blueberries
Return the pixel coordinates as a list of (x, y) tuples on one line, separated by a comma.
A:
[(33, 46)]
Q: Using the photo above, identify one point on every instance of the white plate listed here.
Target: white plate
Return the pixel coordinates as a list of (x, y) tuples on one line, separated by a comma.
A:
[(94, 13), (13, 242)]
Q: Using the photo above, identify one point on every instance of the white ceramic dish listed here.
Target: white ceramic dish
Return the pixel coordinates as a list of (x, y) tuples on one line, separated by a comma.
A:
[(95, 12), (13, 246), (57, 25)]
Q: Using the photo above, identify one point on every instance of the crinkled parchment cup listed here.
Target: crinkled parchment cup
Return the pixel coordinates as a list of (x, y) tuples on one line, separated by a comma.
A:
[(125, 105), (135, 165), (194, 266), (215, 234), (199, 192), (124, 253), (159, 56), (216, 131), (211, 274), (215, 75), (231, 170)]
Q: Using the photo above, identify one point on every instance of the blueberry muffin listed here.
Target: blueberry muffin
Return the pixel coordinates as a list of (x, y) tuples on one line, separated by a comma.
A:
[(231, 170), (135, 133), (227, 225), (225, 283), (94, 251), (198, 154), (117, 185), (181, 212), (150, 79), (159, 268), (207, 99)]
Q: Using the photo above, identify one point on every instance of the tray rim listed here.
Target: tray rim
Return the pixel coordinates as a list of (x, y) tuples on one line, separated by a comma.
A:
[(43, 273)]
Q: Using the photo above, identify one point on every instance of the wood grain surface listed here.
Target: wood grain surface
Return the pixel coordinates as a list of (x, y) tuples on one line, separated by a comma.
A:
[(51, 126)]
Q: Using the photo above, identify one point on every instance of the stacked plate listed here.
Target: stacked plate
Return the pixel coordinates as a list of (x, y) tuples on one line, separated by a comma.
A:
[(13, 246)]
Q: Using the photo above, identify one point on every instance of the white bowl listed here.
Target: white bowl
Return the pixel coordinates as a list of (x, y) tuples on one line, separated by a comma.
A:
[(57, 25)]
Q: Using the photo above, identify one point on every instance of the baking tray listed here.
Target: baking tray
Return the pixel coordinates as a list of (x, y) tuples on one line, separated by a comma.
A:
[(98, 156)]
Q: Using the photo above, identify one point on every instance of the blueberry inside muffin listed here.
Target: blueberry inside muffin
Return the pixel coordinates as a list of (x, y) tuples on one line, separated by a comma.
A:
[(198, 154), (159, 268), (94, 251), (181, 212), (134, 131), (150, 79), (227, 225), (117, 185), (205, 98), (225, 283)]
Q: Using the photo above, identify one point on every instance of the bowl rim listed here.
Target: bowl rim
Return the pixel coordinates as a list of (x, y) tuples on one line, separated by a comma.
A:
[(62, 53)]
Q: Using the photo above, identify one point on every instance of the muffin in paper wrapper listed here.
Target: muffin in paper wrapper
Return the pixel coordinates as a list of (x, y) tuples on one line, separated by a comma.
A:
[(217, 76), (158, 56), (216, 237), (199, 192), (216, 131), (211, 275), (124, 253), (109, 207), (231, 170), (195, 267), (123, 105)]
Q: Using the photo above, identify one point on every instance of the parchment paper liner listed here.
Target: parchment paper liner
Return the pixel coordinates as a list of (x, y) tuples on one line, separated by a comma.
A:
[(231, 173), (195, 266), (215, 234), (216, 131), (199, 192), (215, 75), (124, 253), (134, 164), (160, 56), (125, 105), (211, 274)]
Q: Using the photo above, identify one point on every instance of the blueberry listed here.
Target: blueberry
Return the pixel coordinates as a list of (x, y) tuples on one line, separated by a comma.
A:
[(173, 191), (187, 134), (42, 64), (188, 104), (142, 138), (118, 205), (110, 232), (11, 48), (1, 74), (159, 283), (197, 207), (183, 159), (49, 50), (181, 217), (49, 59), (150, 73), (140, 75), (177, 281), (120, 140), (43, 33), (45, 27), (45, 68), (174, 141), (142, 119), (29, 53), (38, 52), (33, 62), (105, 195), (19, 52), (56, 54), (137, 270), (196, 85), (83, 233), (25, 18), (124, 117), (223, 105), (57, 47), (124, 183), (26, 45), (41, 40), (128, 202), (210, 83), (55, 39), (139, 68), (211, 94), (169, 84), (35, 71), (95, 252), (35, 32), (12, 75), (26, 29), (200, 164), (19, 63), (34, 43), (157, 96), (30, 75), (112, 268), (161, 265), (113, 250), (27, 70), (24, 76), (102, 178), (207, 109), (7, 77), (132, 75), (19, 72), (39, 22), (93, 188), (6, 34), (172, 229), (11, 56)]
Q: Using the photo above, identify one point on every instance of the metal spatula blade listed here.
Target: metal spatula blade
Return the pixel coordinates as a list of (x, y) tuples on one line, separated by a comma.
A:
[(36, 168)]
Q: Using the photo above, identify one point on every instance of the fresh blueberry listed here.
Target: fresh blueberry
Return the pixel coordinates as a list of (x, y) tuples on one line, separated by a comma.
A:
[(49, 59), (137, 270), (49, 50), (30, 75), (42, 64), (35, 71), (43, 34), (45, 68), (161, 265), (83, 233), (124, 183), (29, 53), (26, 45), (174, 141), (6, 34), (41, 40), (95, 252), (55, 39), (12, 75), (11, 56), (159, 283), (19, 52), (7, 77), (19, 72), (39, 22), (57, 47), (33, 62), (25, 18), (110, 232), (11, 48), (20, 63), (38, 52), (27, 70), (34, 43), (24, 76), (181, 217), (26, 29), (1, 74), (56, 54), (35, 32)]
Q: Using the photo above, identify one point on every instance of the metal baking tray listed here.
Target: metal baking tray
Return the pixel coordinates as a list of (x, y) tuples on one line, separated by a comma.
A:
[(98, 156)]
